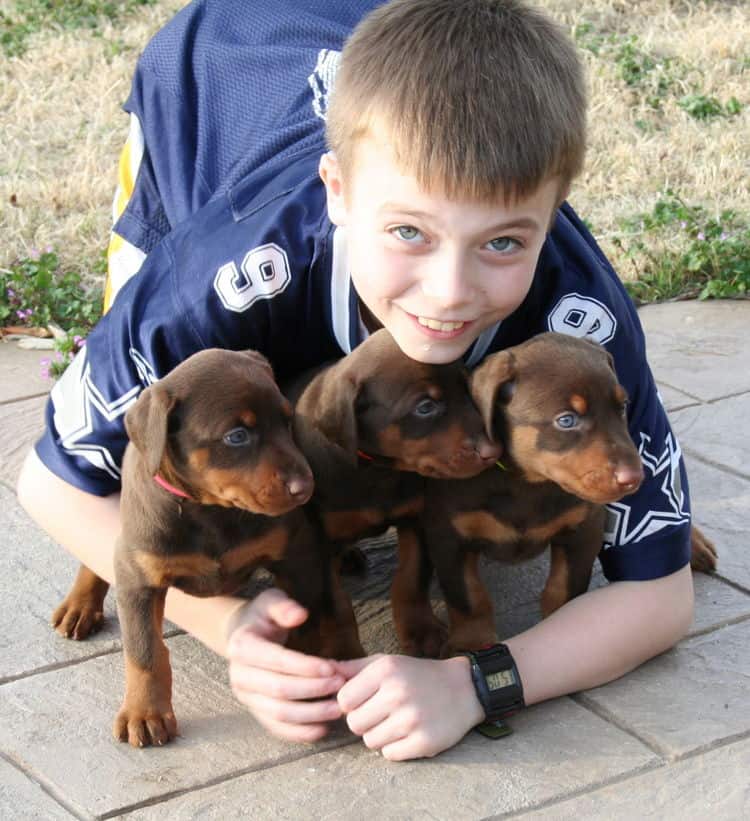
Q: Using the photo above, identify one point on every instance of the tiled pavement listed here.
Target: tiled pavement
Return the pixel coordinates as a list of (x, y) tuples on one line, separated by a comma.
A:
[(671, 740)]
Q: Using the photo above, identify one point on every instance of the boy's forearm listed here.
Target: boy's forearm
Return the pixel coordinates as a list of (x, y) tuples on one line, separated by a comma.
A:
[(87, 526), (602, 635)]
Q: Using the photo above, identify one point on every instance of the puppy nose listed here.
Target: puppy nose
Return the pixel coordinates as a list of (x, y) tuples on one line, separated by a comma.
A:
[(300, 488), (488, 451), (628, 478)]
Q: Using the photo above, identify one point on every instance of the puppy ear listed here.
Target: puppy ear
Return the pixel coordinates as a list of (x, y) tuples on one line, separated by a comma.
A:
[(336, 418), (497, 371), (146, 424), (258, 359)]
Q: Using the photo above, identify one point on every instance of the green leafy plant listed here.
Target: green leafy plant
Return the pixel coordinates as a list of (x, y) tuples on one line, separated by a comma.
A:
[(702, 107), (29, 16), (654, 76), (678, 251), (35, 292)]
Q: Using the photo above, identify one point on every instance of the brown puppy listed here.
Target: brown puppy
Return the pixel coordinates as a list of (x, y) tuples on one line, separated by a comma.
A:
[(372, 426), (212, 483), (556, 405)]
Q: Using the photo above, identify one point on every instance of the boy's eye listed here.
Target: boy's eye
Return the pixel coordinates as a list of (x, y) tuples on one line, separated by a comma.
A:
[(502, 244), (406, 232), (237, 437)]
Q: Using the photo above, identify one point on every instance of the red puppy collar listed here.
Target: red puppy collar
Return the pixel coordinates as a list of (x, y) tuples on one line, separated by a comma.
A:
[(173, 490)]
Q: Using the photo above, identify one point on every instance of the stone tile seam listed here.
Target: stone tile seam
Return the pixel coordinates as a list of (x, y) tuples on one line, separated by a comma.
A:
[(652, 743), (31, 396), (606, 715), (61, 665), (717, 465), (47, 788), (620, 778), (222, 779), (704, 631)]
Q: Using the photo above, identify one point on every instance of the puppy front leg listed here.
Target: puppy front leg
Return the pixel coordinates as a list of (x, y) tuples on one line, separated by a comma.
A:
[(420, 632), (572, 556), (472, 622), (146, 715)]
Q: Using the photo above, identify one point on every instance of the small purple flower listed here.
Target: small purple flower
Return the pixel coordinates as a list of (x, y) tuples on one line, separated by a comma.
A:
[(34, 254), (58, 356), (45, 368), (701, 236), (683, 225), (48, 249), (24, 315), (11, 293), (724, 236), (77, 341)]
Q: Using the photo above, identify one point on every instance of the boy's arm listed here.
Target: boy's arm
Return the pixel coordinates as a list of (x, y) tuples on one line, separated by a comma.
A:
[(409, 708)]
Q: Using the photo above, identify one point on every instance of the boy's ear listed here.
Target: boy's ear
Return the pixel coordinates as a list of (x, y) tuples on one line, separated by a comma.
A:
[(330, 172)]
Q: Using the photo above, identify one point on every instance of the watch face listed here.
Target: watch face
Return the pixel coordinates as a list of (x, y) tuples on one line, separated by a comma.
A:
[(503, 678)]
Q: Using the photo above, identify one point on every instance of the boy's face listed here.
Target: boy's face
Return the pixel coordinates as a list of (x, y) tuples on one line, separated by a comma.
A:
[(435, 272)]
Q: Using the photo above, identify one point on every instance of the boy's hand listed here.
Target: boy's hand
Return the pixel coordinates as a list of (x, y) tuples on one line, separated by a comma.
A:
[(273, 681), (408, 707)]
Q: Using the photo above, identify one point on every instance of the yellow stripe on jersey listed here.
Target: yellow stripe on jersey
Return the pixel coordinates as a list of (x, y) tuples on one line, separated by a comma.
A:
[(124, 259)]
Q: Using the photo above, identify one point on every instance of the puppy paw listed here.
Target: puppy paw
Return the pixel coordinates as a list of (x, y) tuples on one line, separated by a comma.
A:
[(144, 725), (703, 555), (76, 618), (424, 638)]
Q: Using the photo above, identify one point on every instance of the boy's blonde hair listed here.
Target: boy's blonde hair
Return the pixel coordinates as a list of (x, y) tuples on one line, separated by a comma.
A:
[(478, 98)]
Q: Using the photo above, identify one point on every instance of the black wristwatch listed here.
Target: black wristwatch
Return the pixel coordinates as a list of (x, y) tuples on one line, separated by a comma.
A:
[(496, 681)]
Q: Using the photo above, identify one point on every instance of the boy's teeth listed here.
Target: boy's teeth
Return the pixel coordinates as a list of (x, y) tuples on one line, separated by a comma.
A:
[(439, 326)]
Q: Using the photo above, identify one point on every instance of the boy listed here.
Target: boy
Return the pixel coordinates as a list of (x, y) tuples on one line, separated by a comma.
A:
[(455, 130)]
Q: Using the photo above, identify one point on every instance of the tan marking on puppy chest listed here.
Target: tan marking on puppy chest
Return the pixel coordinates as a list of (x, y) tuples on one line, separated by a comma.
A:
[(269, 547), (579, 404), (348, 524), (248, 418), (410, 508), (571, 518), (161, 571), (483, 525)]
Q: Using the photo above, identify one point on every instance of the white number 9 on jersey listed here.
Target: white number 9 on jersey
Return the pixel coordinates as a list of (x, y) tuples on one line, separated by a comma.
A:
[(264, 272)]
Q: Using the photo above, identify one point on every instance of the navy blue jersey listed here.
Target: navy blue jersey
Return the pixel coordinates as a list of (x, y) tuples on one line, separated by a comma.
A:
[(240, 254)]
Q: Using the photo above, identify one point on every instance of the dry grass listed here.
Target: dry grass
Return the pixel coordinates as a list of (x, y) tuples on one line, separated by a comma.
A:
[(62, 127)]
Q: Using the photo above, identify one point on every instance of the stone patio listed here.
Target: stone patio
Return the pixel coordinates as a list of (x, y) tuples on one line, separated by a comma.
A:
[(669, 741)]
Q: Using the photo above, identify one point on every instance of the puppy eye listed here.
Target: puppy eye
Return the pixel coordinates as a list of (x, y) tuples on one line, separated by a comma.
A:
[(237, 437), (567, 421), (426, 407)]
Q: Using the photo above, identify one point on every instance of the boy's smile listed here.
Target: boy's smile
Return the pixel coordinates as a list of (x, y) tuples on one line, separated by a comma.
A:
[(434, 271)]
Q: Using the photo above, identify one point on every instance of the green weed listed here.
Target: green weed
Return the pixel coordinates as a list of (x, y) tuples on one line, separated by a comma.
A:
[(34, 292), (31, 16), (706, 256)]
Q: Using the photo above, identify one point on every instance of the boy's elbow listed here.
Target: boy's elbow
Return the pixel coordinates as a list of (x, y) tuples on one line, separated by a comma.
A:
[(30, 483), (676, 606)]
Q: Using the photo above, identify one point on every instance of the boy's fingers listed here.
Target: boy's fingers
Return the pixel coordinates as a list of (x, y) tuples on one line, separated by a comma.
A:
[(277, 685), (295, 732), (293, 712), (351, 667), (248, 649), (361, 687)]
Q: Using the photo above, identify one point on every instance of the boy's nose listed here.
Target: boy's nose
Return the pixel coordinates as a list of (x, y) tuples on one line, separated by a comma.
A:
[(447, 283)]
